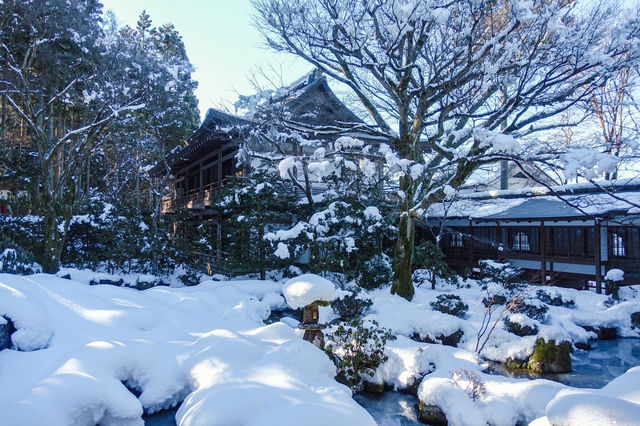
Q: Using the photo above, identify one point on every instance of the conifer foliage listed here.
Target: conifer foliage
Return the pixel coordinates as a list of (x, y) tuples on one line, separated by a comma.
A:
[(251, 207), (86, 108)]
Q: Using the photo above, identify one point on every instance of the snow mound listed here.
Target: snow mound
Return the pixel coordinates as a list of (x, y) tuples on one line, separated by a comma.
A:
[(306, 289), (30, 318), (114, 353), (505, 402), (614, 275), (617, 403)]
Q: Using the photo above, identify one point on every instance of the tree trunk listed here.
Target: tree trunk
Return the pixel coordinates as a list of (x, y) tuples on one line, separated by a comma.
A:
[(54, 208), (51, 259), (155, 228), (263, 257), (3, 120), (402, 275)]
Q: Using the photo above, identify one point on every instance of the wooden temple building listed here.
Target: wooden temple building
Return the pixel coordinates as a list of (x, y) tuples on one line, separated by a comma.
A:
[(202, 165), (567, 235), (200, 168)]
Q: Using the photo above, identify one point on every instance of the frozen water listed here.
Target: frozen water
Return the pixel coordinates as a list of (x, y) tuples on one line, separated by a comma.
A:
[(390, 408)]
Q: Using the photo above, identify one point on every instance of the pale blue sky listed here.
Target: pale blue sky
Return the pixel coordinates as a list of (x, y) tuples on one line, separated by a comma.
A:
[(221, 43)]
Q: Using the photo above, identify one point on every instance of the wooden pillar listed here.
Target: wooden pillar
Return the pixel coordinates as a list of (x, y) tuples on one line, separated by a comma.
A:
[(201, 180), (500, 243), (470, 240), (543, 254), (598, 254), (220, 177)]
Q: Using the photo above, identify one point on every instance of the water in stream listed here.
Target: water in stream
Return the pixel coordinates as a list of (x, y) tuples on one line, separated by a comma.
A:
[(594, 368), (606, 360)]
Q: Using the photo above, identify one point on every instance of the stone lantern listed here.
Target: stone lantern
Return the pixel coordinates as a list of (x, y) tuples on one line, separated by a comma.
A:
[(312, 329), (309, 291)]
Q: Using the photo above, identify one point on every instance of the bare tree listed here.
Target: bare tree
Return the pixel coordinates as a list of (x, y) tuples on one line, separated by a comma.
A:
[(613, 107), (451, 74)]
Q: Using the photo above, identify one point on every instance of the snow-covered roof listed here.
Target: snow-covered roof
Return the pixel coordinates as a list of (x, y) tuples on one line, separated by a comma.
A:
[(489, 177), (308, 100), (575, 201)]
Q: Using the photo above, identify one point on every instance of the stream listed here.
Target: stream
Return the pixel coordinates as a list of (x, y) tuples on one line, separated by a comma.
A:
[(606, 360)]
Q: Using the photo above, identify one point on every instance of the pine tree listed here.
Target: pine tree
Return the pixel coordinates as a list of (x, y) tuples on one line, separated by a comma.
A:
[(251, 207)]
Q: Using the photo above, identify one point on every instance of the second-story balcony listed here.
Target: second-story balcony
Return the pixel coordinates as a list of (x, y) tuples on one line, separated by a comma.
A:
[(193, 200)]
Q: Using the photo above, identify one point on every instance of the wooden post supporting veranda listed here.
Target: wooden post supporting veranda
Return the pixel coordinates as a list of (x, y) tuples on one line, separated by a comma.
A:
[(500, 243), (470, 240), (597, 254), (543, 254)]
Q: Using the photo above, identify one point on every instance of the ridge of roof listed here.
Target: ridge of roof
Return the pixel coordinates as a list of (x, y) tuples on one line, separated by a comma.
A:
[(568, 189)]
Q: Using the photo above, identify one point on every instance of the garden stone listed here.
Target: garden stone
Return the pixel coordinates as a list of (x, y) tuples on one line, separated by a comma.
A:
[(431, 414), (550, 357), (498, 299), (585, 346), (372, 387), (117, 283), (635, 319), (6, 330), (451, 340), (604, 333)]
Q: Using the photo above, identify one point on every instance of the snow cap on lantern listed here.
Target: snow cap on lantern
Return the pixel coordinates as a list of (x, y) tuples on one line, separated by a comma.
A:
[(306, 289)]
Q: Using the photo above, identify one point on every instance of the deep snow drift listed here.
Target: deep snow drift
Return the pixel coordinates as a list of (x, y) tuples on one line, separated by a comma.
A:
[(81, 345)]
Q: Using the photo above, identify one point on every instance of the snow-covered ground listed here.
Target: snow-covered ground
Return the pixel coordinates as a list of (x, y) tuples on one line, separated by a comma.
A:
[(84, 352), (207, 345), (558, 323), (446, 373)]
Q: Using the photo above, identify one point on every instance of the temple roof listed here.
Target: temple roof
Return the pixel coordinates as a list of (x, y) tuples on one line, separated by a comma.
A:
[(309, 100), (575, 201)]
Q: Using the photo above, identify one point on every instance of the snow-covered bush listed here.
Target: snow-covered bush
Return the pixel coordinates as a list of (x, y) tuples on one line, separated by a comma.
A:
[(555, 300), (531, 308), (181, 240), (352, 306), (189, 276), (15, 259), (108, 235), (428, 255), (24, 234), (349, 237), (253, 209), (520, 325), (450, 304), (357, 349), (504, 274), (377, 272), (117, 237)]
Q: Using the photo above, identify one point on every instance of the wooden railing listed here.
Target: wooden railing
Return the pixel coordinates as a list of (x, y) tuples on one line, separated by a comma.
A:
[(197, 199), (212, 263), (201, 198)]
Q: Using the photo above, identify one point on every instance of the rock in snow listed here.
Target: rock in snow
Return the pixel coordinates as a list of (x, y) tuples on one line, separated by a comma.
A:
[(306, 289)]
